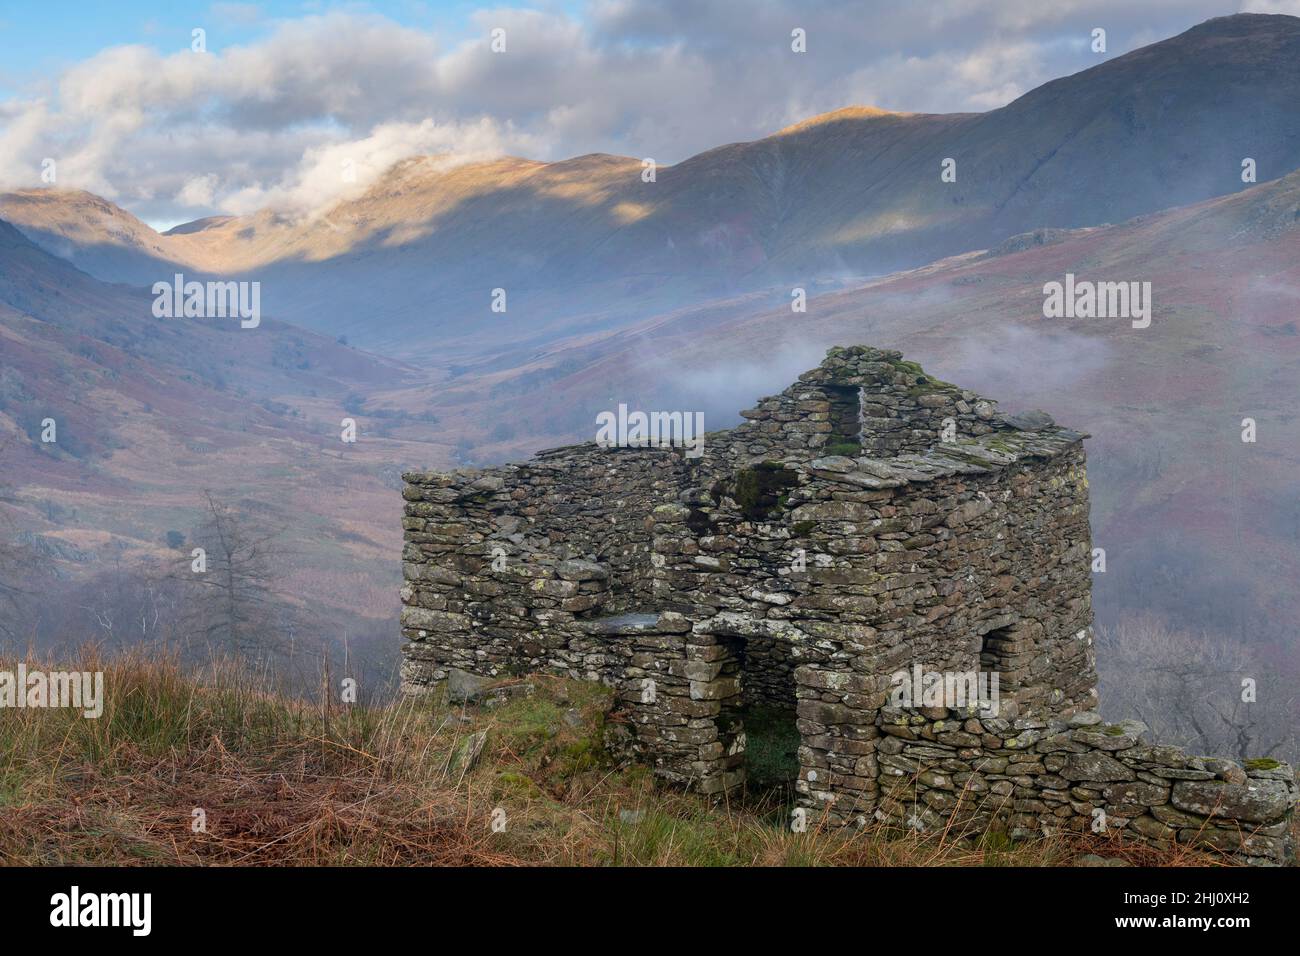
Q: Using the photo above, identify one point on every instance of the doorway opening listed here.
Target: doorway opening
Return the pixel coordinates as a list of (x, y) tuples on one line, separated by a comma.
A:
[(767, 713)]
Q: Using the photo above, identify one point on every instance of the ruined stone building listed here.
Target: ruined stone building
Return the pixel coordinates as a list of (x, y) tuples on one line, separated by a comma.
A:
[(869, 521)]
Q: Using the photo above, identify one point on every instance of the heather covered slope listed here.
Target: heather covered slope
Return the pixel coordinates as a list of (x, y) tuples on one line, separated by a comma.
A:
[(586, 245), (152, 412)]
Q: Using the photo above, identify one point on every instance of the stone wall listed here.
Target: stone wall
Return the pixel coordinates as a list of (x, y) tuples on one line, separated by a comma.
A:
[(1033, 777), (952, 538), (497, 563), (870, 567)]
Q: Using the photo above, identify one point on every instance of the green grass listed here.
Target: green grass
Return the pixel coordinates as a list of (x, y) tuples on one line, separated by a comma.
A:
[(771, 747)]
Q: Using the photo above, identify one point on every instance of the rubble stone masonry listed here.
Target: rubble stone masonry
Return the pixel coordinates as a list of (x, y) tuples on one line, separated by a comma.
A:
[(866, 521)]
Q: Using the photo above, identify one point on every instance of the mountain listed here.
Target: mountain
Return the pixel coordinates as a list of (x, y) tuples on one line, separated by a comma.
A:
[(676, 295), (585, 245), (93, 234), (152, 412)]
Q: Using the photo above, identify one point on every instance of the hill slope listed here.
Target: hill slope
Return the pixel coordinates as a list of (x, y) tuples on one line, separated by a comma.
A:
[(151, 412)]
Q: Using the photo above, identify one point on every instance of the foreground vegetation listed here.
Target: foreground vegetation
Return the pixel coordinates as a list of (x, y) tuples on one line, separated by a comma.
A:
[(212, 769)]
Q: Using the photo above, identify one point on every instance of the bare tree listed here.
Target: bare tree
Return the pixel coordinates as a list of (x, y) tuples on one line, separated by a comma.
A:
[(233, 605), (130, 606), (1212, 695)]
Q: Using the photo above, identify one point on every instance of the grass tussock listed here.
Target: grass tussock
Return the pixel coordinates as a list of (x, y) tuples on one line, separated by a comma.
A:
[(280, 781)]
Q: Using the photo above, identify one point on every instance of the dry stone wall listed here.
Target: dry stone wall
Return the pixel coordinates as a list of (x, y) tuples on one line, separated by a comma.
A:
[(1028, 777), (806, 562), (870, 573), (500, 563)]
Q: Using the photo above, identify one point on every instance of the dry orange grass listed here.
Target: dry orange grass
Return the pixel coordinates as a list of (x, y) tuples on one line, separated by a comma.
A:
[(291, 782)]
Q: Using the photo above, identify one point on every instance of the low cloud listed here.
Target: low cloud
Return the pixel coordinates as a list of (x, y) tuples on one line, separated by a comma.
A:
[(1015, 362), (721, 388)]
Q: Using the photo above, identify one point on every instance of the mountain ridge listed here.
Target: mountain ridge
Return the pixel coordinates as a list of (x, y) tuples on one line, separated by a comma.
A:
[(584, 243)]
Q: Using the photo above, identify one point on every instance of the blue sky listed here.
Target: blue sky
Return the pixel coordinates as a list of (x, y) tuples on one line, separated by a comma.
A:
[(42, 38)]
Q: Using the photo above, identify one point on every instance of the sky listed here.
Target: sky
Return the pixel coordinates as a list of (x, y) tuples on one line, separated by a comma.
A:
[(294, 106)]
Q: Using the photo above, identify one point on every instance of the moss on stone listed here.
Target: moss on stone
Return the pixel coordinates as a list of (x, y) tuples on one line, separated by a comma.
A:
[(849, 449), (925, 383), (953, 450), (1262, 763), (511, 782), (760, 490), (802, 528), (582, 755)]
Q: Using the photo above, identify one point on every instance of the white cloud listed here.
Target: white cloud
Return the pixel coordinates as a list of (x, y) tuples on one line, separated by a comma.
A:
[(199, 191), (1291, 7), (332, 171)]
